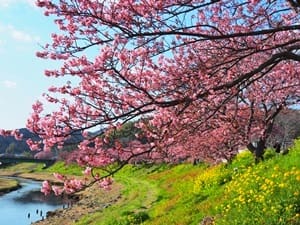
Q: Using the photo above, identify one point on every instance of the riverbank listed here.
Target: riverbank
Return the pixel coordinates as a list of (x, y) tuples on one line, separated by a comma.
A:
[(22, 170), (31, 171), (8, 185), (193, 194), (91, 200)]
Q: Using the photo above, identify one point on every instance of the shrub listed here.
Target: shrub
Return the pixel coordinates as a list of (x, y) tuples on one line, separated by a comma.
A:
[(131, 218), (242, 160), (269, 153), (207, 182)]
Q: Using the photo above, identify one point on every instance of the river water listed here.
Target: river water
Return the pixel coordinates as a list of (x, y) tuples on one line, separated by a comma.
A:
[(27, 204)]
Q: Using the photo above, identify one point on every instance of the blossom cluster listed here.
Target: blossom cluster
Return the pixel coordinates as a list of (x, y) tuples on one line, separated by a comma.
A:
[(70, 186), (194, 83)]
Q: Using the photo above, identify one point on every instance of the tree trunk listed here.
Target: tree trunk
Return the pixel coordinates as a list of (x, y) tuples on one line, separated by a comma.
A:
[(258, 150)]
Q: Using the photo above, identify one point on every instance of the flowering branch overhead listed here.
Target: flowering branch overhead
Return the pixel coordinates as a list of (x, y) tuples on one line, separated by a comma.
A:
[(199, 78)]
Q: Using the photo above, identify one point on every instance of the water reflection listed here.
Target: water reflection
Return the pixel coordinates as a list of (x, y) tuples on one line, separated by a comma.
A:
[(28, 204), (38, 197)]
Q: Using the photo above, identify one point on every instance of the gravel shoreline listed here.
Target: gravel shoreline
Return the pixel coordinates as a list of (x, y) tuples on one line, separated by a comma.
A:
[(93, 199)]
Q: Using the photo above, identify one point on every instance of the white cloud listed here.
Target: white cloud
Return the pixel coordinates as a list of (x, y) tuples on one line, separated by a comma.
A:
[(21, 36), (17, 35), (2, 42), (9, 84), (8, 3)]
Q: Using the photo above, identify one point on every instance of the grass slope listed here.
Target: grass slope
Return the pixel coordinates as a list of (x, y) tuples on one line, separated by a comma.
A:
[(237, 193), (233, 194)]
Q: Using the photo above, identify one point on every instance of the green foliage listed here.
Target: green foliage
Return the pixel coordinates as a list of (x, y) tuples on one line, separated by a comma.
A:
[(130, 218), (211, 179), (126, 133), (242, 160), (269, 153), (11, 148)]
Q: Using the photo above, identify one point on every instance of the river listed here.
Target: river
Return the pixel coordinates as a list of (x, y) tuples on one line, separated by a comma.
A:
[(27, 204)]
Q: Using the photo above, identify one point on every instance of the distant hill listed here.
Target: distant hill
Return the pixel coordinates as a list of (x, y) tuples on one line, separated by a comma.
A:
[(285, 130), (9, 145)]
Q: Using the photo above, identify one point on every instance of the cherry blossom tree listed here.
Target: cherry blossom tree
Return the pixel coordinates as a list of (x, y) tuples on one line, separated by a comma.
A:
[(200, 78), (275, 95)]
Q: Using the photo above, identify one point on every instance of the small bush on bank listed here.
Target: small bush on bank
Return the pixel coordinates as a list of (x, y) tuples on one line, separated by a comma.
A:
[(130, 218), (210, 180)]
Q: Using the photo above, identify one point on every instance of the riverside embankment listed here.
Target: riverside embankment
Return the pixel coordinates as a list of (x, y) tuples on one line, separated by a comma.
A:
[(8, 185), (192, 194), (83, 203), (23, 170), (27, 204)]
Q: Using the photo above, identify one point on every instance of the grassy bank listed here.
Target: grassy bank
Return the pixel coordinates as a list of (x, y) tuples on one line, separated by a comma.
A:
[(241, 192), (7, 185), (36, 171), (238, 193), (21, 168)]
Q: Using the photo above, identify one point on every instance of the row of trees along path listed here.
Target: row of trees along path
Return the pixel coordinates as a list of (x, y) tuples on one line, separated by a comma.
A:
[(201, 78)]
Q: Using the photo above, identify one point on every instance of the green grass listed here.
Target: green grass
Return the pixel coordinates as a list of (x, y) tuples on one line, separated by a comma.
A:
[(241, 192), (58, 167), (26, 167), (138, 196), (37, 171), (65, 169), (8, 184)]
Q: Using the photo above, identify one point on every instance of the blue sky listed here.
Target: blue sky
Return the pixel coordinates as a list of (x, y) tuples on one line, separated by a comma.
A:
[(23, 28)]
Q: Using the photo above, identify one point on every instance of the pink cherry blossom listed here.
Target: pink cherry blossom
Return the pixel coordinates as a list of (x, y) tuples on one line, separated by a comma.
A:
[(199, 80), (59, 176), (57, 190), (106, 183), (46, 187), (87, 171)]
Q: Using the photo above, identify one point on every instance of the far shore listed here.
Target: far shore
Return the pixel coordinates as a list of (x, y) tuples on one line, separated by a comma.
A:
[(8, 185)]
